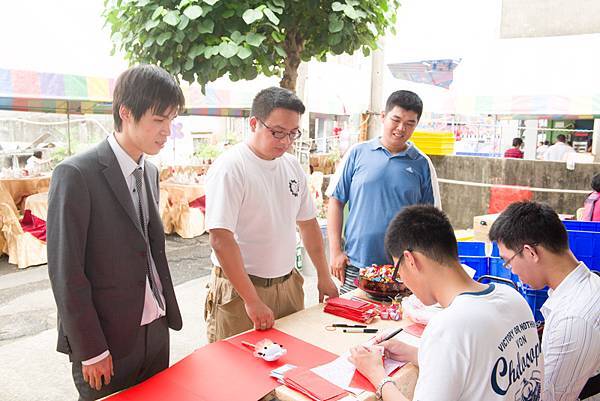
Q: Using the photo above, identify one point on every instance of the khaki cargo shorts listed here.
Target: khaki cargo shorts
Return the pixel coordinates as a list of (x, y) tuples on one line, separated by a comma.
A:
[(224, 310)]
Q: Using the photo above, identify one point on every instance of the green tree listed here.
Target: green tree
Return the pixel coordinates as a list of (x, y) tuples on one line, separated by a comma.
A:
[(202, 40)]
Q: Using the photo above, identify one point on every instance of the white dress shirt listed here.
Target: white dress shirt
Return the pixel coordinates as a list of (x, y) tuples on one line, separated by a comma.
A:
[(152, 310), (571, 339), (558, 152)]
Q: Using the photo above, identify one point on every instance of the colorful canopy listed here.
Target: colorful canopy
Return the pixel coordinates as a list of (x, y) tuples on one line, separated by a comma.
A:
[(77, 94)]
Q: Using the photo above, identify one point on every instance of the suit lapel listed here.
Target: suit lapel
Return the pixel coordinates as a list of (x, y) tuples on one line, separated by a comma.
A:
[(116, 181)]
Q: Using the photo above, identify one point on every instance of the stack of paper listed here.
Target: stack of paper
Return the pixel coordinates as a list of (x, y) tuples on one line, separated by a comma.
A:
[(353, 309)]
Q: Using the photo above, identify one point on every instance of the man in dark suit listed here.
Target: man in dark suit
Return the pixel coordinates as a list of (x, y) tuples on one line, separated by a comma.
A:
[(106, 244)]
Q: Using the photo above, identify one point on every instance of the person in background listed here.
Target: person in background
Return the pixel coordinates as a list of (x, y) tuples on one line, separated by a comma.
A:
[(35, 164), (591, 206), (482, 346), (541, 150), (106, 243), (377, 179), (515, 152), (559, 151), (535, 246), (256, 196)]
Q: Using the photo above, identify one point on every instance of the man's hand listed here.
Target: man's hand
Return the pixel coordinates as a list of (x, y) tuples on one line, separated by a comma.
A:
[(94, 373), (327, 288), (260, 314), (339, 261), (369, 362), (399, 350)]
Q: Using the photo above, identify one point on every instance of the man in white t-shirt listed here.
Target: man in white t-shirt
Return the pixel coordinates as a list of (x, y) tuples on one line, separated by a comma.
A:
[(559, 151), (256, 195), (534, 241), (482, 346)]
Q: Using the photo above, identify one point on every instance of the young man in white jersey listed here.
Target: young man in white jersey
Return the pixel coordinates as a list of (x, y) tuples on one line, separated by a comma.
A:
[(482, 346), (256, 195), (535, 244)]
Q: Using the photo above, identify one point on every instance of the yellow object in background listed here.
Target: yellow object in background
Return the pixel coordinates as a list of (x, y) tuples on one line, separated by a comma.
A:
[(434, 143), (464, 235)]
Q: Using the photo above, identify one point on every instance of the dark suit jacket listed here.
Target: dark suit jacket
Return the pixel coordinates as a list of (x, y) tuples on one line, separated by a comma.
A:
[(96, 255)]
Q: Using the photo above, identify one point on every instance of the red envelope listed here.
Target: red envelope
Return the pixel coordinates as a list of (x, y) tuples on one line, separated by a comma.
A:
[(312, 385), (353, 309), (415, 329), (359, 381)]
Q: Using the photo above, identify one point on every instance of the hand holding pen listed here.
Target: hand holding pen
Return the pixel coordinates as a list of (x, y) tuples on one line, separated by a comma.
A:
[(397, 350)]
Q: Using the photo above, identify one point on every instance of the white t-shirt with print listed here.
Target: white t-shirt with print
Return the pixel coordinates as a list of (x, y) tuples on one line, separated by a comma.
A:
[(260, 201), (484, 346)]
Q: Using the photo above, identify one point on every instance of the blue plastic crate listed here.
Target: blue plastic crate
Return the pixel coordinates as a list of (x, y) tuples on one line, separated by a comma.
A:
[(496, 268), (467, 248), (574, 225), (495, 250), (586, 247), (479, 263), (535, 299)]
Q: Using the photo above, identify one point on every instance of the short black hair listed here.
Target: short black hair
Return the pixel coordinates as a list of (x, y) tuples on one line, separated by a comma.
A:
[(425, 229), (407, 100), (561, 138), (517, 142), (528, 223), (546, 142), (273, 98), (596, 182), (38, 154), (145, 87)]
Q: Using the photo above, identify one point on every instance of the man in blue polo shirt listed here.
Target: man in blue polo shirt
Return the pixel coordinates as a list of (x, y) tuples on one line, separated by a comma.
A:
[(377, 180)]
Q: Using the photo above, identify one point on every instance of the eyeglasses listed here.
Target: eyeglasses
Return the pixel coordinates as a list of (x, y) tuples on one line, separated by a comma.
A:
[(507, 265), (293, 135), (397, 265)]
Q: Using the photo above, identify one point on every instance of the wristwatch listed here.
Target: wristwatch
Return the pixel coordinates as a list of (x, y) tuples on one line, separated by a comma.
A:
[(382, 383)]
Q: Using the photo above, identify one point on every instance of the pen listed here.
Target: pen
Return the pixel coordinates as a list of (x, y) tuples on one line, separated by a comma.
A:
[(354, 330), (392, 334), (363, 326)]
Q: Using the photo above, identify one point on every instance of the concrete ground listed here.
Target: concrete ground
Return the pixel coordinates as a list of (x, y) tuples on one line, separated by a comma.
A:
[(31, 369)]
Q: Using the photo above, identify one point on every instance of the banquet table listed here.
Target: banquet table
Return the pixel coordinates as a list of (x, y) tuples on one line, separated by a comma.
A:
[(189, 192), (19, 188), (38, 204)]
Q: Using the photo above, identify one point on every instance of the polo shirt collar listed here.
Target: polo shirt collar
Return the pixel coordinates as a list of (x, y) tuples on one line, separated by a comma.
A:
[(411, 151)]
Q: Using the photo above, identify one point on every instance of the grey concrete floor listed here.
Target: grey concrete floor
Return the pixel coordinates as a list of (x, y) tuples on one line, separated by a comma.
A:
[(31, 369)]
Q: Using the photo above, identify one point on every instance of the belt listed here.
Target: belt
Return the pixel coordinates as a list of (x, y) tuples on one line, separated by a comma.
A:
[(258, 281)]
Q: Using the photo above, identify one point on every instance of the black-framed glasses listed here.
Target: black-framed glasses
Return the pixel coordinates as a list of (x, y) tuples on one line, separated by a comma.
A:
[(293, 135), (397, 265)]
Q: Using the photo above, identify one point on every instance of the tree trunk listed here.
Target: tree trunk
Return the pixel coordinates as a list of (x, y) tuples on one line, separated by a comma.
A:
[(293, 46)]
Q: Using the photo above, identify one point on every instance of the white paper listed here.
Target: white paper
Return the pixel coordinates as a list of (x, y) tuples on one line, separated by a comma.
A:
[(341, 371)]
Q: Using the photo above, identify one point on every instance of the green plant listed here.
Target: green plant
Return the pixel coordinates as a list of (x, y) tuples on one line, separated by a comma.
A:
[(202, 40), (208, 152)]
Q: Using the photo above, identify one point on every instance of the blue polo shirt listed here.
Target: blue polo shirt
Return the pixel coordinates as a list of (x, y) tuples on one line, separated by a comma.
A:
[(377, 185)]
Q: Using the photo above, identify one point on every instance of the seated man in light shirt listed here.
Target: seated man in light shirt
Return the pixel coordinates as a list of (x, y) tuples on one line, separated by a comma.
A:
[(483, 346), (35, 163), (534, 241)]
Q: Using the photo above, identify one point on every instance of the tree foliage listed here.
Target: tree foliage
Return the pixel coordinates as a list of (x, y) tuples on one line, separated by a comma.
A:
[(202, 40)]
